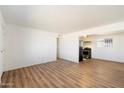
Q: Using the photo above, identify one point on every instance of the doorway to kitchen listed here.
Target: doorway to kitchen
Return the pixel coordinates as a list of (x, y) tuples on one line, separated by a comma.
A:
[(85, 47)]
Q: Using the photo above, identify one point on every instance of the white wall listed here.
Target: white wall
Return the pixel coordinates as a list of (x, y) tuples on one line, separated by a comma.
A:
[(68, 48), (27, 46), (1, 48), (1, 45), (114, 53)]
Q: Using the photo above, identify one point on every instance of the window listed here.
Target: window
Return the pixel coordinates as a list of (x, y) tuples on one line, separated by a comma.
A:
[(107, 42)]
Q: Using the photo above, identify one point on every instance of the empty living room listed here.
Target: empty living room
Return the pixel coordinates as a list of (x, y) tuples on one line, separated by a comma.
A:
[(62, 46)]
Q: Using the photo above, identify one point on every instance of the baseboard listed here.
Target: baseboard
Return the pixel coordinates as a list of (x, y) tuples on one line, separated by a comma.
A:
[(107, 60), (23, 66), (67, 60)]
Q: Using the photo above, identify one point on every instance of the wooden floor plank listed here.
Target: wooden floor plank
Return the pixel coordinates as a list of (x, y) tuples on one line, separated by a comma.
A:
[(65, 74)]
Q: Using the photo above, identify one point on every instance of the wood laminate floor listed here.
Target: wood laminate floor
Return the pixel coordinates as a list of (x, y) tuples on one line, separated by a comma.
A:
[(91, 74)]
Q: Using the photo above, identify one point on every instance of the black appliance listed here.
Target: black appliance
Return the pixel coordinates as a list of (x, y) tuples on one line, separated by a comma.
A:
[(87, 53), (80, 54)]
